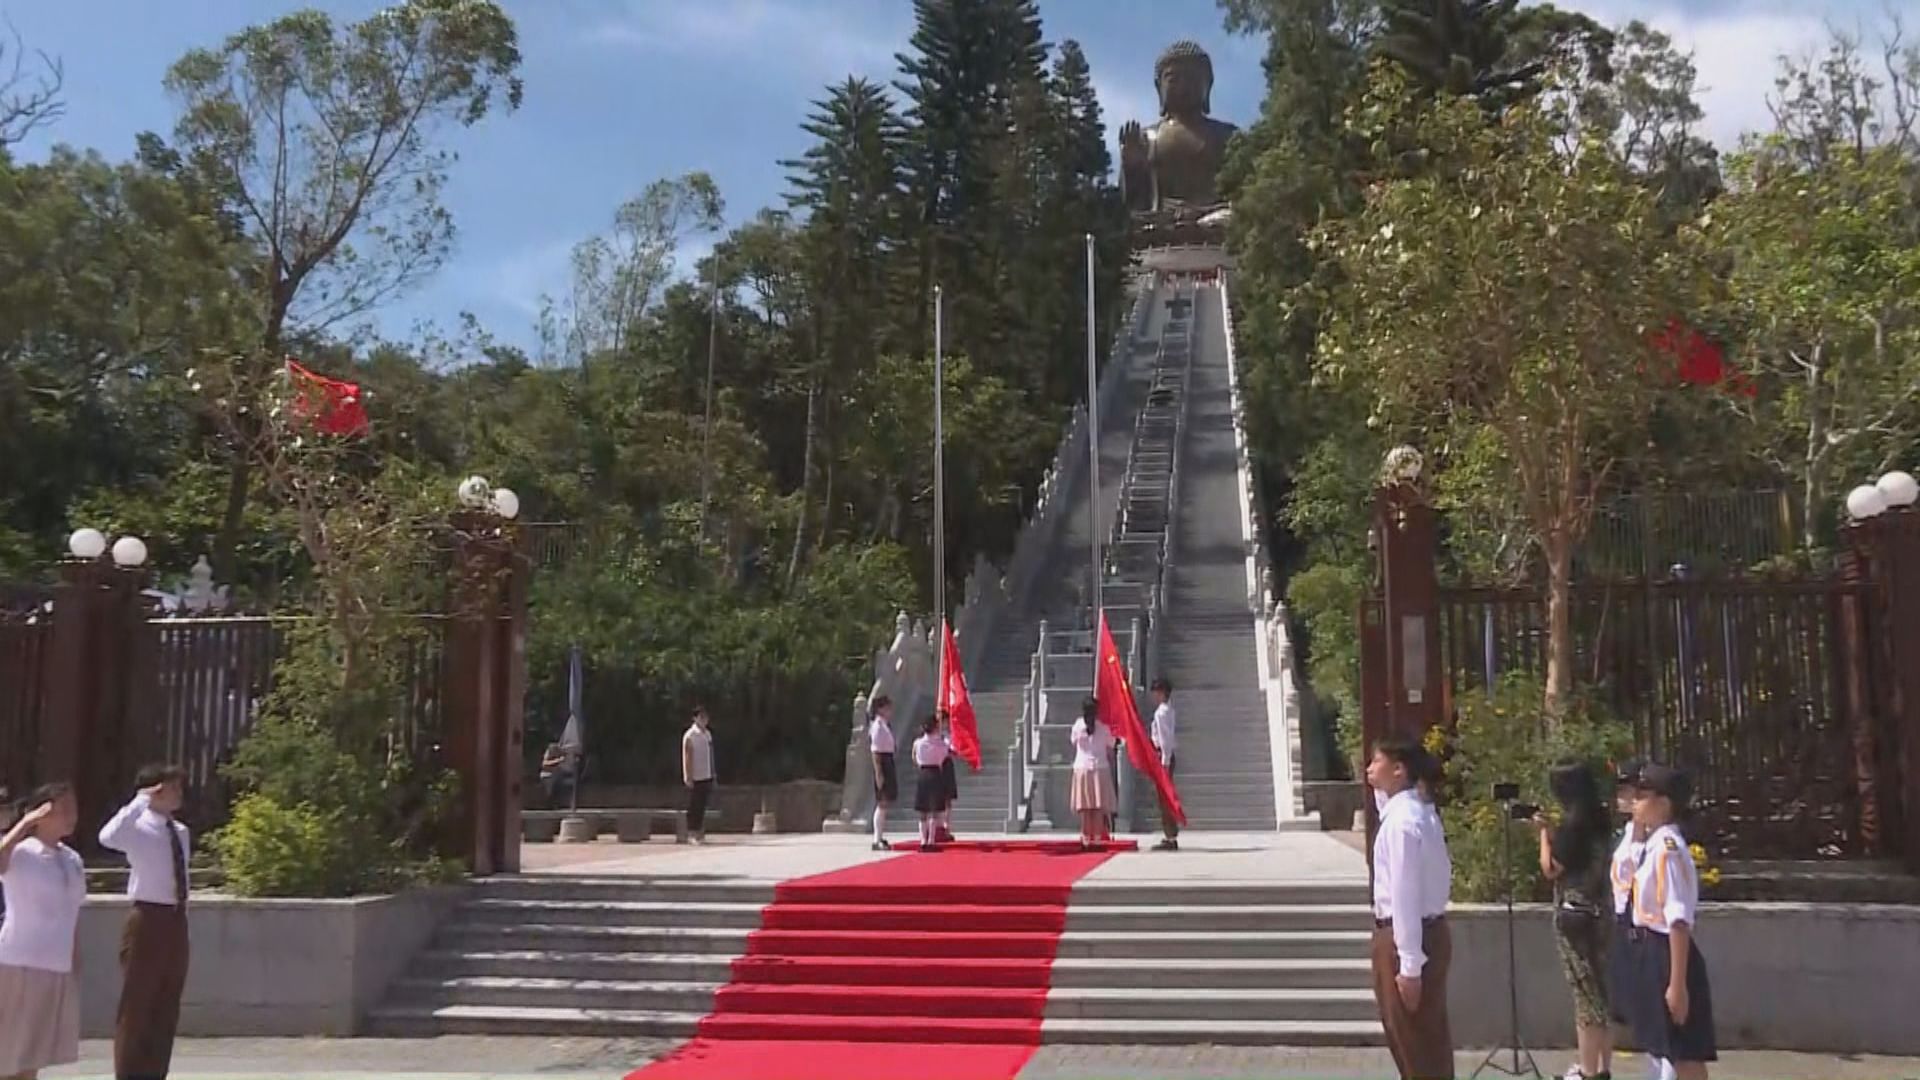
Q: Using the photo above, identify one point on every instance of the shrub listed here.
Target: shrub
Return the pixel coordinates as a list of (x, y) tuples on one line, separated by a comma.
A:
[(1501, 737), (268, 849)]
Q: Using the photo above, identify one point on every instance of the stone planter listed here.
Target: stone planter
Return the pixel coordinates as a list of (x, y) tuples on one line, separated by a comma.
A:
[(271, 967)]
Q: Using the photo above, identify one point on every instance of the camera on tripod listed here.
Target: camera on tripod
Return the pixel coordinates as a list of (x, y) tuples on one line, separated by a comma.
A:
[(1509, 793)]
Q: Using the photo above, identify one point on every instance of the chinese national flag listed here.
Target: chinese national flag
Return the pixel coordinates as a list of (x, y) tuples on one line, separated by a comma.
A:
[(1114, 694), (954, 699), (331, 406)]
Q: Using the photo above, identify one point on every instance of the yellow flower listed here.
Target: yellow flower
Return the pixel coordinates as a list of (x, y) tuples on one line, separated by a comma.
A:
[(1710, 876)]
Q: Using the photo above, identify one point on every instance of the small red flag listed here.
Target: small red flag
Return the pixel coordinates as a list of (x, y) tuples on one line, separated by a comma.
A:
[(954, 699), (332, 407), (1114, 696)]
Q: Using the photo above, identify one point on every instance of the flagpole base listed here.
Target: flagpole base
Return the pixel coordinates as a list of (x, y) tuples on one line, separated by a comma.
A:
[(579, 830)]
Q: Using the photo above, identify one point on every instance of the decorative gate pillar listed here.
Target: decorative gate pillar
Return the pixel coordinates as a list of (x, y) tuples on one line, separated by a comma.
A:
[(485, 676), (86, 737), (1888, 545), (1401, 681)]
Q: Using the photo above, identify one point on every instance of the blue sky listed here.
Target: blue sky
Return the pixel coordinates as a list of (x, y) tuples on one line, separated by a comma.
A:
[(621, 92)]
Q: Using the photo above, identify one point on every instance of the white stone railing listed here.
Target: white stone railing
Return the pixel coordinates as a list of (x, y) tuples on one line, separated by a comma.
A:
[(904, 672), (1274, 654)]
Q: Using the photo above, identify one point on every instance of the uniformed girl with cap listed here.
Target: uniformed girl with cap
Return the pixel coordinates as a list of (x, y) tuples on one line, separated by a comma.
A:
[(1669, 1002)]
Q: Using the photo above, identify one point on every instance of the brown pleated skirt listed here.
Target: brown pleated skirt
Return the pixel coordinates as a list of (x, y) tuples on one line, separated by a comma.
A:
[(153, 969)]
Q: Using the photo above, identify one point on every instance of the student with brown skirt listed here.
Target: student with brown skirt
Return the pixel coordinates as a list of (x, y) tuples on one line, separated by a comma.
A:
[(153, 947), (45, 884), (1412, 882)]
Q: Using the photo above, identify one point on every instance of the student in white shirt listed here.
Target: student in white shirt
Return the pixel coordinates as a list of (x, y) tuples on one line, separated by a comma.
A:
[(45, 884), (1669, 1000), (154, 947), (696, 770), (886, 783), (1166, 740), (931, 754), (1093, 796), (1412, 883)]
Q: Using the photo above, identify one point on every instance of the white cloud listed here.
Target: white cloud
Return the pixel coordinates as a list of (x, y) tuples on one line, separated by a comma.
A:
[(821, 37)]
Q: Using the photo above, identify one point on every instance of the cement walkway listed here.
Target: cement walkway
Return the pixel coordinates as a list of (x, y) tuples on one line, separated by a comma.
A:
[(472, 1058), (1263, 858)]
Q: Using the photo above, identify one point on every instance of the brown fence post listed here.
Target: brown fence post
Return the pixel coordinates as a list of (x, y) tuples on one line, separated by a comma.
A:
[(1869, 731), (1407, 528), (1891, 542), (509, 690), (482, 567), (84, 735)]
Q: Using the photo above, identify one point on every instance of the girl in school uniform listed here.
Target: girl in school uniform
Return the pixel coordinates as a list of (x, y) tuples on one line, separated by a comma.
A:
[(930, 796), (886, 784), (45, 884), (950, 777), (1669, 1000), (1093, 793)]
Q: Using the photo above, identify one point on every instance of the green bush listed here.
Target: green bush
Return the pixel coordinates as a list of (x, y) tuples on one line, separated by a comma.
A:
[(268, 849), (1500, 737)]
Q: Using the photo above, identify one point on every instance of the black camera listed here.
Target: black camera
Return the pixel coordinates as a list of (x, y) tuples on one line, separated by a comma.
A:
[(1506, 792), (1521, 811)]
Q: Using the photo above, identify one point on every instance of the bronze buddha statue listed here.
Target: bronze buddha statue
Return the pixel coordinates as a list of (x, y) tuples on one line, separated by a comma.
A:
[(1173, 168)]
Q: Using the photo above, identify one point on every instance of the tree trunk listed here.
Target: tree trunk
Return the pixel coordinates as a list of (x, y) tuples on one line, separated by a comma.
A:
[(226, 542), (1559, 690), (807, 467)]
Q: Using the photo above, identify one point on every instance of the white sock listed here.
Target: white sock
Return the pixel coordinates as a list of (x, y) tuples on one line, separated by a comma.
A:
[(946, 819), (879, 824), (1660, 1068)]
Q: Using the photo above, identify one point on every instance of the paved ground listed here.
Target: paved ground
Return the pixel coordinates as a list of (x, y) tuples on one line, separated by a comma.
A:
[(1203, 856), (470, 1058)]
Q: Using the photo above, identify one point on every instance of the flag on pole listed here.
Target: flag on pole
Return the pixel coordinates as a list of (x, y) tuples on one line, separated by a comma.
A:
[(1114, 694), (954, 699), (573, 736), (331, 406)]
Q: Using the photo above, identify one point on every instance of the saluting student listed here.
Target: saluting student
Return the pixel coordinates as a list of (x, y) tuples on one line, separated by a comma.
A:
[(1165, 735), (154, 945), (1412, 884), (886, 785), (950, 778), (930, 753), (45, 884), (1670, 999)]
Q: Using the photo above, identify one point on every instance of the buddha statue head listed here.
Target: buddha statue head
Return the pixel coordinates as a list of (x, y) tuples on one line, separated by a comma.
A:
[(1184, 77)]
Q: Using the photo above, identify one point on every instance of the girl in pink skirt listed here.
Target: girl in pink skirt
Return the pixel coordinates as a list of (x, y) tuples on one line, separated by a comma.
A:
[(1093, 791), (45, 884)]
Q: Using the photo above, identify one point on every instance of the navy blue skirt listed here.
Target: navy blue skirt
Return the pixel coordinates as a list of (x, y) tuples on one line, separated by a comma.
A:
[(950, 779), (930, 795), (1620, 966), (1650, 961), (886, 784)]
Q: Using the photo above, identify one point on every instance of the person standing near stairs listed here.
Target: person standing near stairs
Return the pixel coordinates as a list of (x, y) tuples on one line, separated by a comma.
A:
[(154, 947), (696, 769), (886, 783), (950, 778), (1092, 793), (1166, 740), (1412, 882)]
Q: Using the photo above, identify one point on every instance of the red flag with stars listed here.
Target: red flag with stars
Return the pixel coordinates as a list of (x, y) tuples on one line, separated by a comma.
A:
[(331, 406), (1114, 695), (954, 699)]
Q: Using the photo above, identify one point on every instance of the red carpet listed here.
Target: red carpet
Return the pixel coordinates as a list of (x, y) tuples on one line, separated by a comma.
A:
[(919, 967)]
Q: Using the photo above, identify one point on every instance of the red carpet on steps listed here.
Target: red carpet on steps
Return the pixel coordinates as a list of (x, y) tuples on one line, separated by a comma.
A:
[(918, 967)]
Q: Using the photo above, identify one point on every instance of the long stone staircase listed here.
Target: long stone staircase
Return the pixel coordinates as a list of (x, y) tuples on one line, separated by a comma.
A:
[(1138, 964)]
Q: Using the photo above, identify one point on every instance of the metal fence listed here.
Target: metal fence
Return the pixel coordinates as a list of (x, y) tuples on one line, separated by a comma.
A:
[(1743, 683), (23, 650), (1709, 533)]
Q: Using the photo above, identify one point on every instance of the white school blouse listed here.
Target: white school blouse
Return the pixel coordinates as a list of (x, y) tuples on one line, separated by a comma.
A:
[(140, 833), (699, 746), (1091, 750), (1165, 732), (45, 888), (880, 735), (1412, 874), (929, 751), (1666, 886), (1626, 858)]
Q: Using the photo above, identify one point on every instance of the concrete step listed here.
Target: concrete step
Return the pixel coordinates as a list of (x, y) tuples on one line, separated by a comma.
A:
[(1080, 972), (1345, 942), (401, 1021), (1213, 918), (1088, 893), (1064, 1002)]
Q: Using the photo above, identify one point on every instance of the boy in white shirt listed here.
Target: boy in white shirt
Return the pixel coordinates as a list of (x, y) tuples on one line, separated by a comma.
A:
[(154, 947), (1165, 735)]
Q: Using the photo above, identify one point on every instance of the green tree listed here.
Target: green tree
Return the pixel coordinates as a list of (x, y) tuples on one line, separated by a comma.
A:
[(1494, 51), (1822, 232), (323, 138), (1496, 308)]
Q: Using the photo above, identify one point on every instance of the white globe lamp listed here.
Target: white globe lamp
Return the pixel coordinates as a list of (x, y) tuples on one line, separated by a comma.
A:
[(87, 544), (506, 503), (129, 552), (475, 493), (1866, 501), (1899, 488)]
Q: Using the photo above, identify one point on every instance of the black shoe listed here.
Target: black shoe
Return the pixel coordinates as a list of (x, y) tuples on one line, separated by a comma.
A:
[(1167, 845), (926, 847), (882, 845)]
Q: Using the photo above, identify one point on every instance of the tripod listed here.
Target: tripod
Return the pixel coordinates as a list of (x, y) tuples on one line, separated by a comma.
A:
[(1513, 1045)]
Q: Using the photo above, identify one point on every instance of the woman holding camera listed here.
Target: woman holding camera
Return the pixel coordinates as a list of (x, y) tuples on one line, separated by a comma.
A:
[(1574, 856)]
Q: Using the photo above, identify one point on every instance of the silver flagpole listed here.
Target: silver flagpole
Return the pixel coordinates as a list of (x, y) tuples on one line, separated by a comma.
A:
[(706, 425), (1093, 452), (939, 496)]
